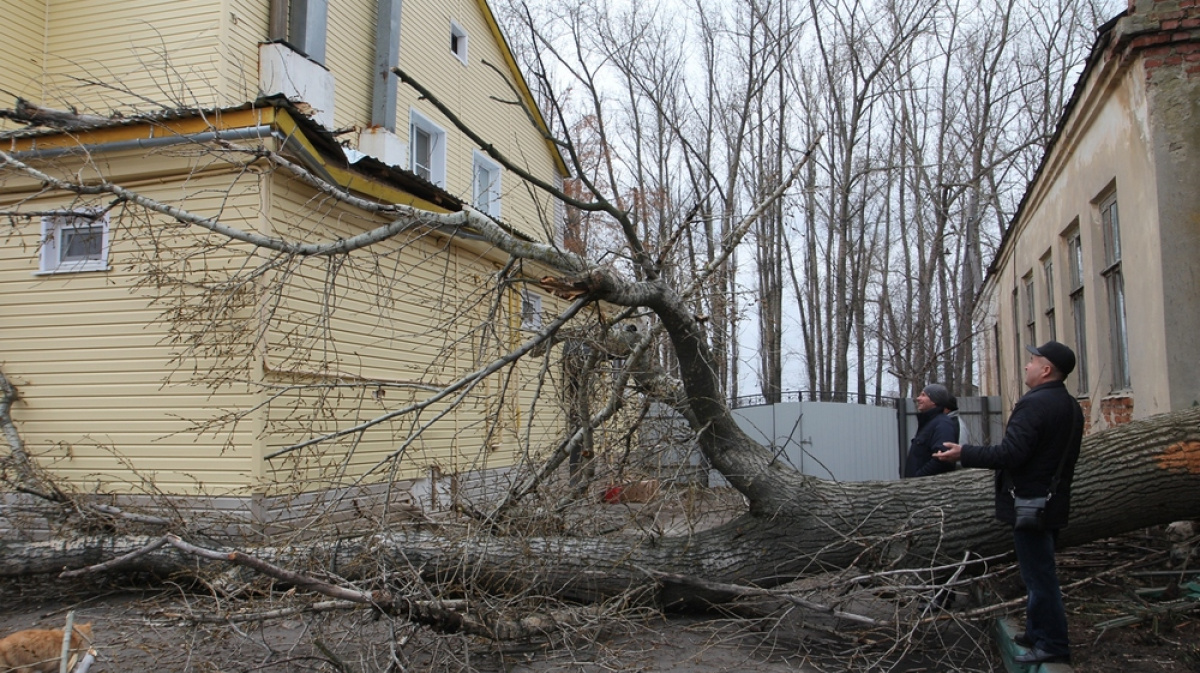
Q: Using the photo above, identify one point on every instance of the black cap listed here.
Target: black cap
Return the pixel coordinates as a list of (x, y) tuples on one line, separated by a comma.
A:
[(1059, 355), (937, 394)]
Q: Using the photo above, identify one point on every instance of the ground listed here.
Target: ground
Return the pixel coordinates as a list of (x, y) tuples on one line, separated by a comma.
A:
[(1143, 616), (1131, 610)]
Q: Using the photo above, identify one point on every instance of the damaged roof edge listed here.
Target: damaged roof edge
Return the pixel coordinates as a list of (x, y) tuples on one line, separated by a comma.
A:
[(315, 147)]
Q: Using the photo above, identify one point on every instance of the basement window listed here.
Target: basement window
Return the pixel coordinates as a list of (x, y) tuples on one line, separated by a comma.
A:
[(74, 243)]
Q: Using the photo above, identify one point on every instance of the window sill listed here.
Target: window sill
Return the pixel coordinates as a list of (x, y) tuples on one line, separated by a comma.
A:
[(80, 268)]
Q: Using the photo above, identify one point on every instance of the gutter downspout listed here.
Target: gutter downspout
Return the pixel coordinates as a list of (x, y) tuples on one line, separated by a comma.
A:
[(277, 22)]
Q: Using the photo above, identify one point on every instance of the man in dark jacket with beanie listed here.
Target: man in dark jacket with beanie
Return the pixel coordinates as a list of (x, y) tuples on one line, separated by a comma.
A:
[(1044, 431), (934, 429)]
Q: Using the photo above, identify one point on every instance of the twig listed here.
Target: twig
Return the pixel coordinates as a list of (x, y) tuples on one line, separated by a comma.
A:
[(64, 660), (989, 610), (278, 613), (1174, 607), (859, 579), (333, 658), (433, 614)]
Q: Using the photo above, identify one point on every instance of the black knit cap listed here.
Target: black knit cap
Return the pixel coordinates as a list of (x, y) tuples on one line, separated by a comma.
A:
[(1059, 355), (938, 394)]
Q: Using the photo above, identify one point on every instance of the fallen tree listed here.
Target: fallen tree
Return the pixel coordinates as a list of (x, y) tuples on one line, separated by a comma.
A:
[(1130, 477)]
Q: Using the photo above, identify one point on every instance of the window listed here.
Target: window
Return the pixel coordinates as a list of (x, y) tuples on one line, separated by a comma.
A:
[(74, 243), (485, 185), (1048, 275), (1075, 262), (531, 311), (1115, 284), (427, 143), (1018, 350), (458, 42), (1030, 313)]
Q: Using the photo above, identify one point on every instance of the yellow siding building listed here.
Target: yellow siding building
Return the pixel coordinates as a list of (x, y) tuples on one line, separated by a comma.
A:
[(156, 359)]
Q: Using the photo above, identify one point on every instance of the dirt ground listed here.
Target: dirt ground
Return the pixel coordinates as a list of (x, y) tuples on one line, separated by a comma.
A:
[(1142, 617), (1131, 610)]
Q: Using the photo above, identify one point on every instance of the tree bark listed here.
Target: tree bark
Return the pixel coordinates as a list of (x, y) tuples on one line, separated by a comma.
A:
[(1130, 477)]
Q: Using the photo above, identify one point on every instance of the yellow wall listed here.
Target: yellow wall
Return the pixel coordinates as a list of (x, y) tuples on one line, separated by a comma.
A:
[(112, 390), (91, 352), (469, 91), (22, 33), (410, 313), (133, 55), (101, 400)]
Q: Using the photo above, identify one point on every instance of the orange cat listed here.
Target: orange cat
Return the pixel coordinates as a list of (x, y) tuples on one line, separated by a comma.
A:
[(40, 650)]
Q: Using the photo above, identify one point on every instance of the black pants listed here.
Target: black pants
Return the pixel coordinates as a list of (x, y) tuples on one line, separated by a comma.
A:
[(1045, 616)]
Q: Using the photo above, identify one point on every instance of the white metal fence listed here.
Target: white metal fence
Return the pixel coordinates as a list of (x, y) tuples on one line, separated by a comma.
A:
[(830, 440)]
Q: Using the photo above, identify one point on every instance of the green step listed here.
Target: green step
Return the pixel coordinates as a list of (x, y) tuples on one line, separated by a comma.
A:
[(1006, 629)]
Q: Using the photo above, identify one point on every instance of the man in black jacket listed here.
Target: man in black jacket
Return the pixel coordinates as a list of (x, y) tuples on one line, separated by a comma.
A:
[(1044, 431), (934, 428)]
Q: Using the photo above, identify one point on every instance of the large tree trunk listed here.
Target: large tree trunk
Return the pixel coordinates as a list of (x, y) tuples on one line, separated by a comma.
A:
[(1131, 477)]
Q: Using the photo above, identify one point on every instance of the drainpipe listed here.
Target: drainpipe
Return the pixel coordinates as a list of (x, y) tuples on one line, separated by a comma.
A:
[(387, 52), (277, 23), (307, 27)]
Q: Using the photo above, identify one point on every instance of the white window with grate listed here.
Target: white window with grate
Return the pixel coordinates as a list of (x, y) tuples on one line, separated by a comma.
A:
[(531, 311), (74, 242)]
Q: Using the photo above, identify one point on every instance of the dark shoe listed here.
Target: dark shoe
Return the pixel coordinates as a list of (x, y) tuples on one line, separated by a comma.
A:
[(1023, 640), (1036, 656)]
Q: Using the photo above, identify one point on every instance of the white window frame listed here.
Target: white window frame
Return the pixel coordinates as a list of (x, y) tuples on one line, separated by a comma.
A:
[(1019, 351), (531, 311), (436, 162), (1078, 307), (1048, 277), (485, 184), (1114, 281), (56, 229), (458, 41), (1030, 303)]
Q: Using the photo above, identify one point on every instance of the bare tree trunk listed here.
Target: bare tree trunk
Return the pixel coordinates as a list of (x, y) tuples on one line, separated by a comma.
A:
[(1130, 477)]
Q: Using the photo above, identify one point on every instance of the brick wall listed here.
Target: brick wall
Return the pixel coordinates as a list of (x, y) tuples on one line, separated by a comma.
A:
[(1116, 410), (1167, 33)]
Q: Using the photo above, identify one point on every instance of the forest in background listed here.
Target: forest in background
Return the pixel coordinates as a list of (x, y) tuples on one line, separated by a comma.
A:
[(928, 118)]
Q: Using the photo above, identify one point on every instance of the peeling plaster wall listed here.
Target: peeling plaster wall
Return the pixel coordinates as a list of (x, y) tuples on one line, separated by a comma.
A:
[(1172, 83), (1133, 127)]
